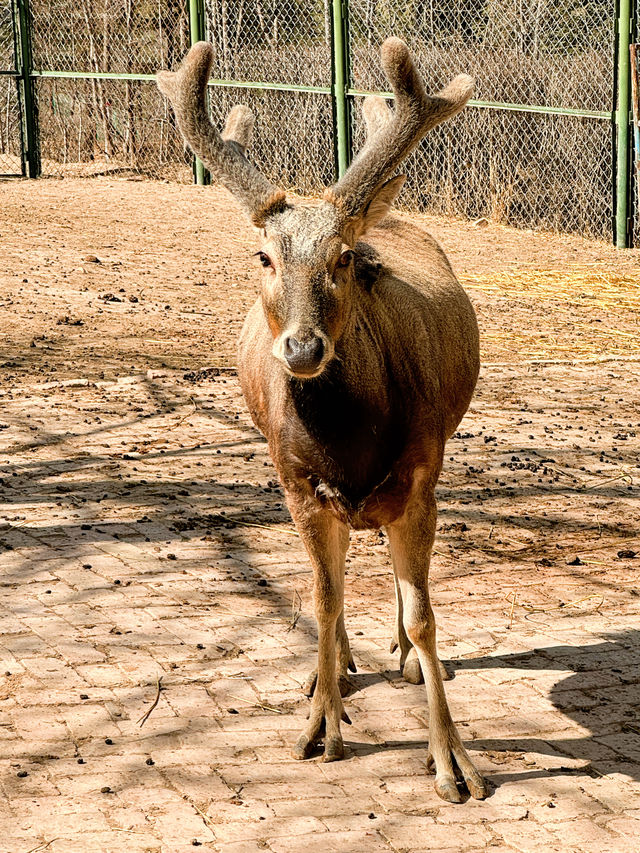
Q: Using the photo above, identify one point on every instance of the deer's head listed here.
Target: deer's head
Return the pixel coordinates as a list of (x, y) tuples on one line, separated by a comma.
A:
[(307, 251)]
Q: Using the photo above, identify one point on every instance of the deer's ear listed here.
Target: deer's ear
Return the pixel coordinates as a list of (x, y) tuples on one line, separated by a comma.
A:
[(375, 210)]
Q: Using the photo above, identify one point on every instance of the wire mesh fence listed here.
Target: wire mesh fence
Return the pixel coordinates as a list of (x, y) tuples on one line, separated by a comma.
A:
[(524, 169), (529, 52), (272, 41), (534, 166), (535, 149)]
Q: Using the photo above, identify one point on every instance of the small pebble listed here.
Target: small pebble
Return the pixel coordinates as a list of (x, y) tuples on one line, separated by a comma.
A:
[(105, 789), (21, 774), (108, 741), (150, 762), (84, 695)]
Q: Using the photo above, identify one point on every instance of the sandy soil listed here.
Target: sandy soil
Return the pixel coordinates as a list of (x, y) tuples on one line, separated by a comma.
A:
[(108, 273)]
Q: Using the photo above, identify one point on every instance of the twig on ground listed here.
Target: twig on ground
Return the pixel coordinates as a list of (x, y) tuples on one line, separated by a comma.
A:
[(42, 846), (296, 610), (143, 719), (513, 604), (256, 704), (240, 522), (176, 424), (205, 817)]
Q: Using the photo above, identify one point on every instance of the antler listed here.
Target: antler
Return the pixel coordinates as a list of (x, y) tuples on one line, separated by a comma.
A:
[(223, 155), (393, 134)]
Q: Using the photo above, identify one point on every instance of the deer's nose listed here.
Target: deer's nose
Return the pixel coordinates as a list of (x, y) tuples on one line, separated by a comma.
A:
[(304, 356)]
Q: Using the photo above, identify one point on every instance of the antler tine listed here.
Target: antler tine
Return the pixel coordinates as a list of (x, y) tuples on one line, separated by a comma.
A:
[(391, 140), (376, 114), (223, 155), (239, 127)]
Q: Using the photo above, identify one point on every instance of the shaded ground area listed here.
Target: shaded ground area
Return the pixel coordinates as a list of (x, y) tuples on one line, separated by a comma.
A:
[(145, 553)]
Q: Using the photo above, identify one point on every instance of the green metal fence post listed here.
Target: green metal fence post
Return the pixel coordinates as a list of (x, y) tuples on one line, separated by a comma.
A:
[(30, 142), (622, 236), (197, 32), (341, 73)]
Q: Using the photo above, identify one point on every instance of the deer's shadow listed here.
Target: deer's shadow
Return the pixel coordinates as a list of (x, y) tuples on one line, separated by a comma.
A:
[(601, 693)]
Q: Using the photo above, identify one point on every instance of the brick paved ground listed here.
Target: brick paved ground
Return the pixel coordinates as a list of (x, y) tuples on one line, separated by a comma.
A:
[(143, 537)]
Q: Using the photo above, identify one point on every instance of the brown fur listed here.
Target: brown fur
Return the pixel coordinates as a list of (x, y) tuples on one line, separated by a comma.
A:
[(357, 425)]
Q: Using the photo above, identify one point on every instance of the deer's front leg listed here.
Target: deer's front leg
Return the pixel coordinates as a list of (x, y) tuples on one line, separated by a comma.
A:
[(326, 540), (411, 539)]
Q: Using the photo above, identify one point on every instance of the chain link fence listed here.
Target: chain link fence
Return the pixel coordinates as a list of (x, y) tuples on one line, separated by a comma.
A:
[(535, 149), (106, 115)]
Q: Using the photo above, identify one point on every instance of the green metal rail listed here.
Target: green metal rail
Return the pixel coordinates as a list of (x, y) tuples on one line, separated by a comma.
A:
[(341, 116), (623, 184), (30, 145), (197, 29), (504, 105), (150, 78)]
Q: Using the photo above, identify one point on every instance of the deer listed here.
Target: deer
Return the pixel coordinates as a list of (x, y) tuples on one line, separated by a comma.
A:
[(357, 371)]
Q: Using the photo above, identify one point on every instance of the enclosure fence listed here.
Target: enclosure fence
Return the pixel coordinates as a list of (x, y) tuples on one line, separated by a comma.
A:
[(545, 144)]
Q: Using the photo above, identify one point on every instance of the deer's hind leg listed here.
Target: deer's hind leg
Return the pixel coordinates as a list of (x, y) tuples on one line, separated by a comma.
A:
[(411, 539), (344, 662), (409, 661), (326, 540)]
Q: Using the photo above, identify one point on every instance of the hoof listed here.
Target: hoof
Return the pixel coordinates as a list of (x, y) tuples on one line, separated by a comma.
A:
[(445, 675), (478, 788), (345, 685), (446, 785), (447, 789), (412, 671), (333, 749), (310, 684), (303, 748)]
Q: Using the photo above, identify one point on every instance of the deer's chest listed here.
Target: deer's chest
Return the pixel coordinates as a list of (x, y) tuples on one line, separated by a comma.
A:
[(344, 440)]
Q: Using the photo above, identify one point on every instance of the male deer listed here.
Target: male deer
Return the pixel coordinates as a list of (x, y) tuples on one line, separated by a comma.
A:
[(357, 373)]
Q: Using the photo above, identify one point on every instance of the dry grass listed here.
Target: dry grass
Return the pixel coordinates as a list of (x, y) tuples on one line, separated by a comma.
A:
[(600, 309)]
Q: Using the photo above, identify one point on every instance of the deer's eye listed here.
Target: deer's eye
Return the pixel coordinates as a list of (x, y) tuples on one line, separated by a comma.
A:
[(345, 258), (264, 259)]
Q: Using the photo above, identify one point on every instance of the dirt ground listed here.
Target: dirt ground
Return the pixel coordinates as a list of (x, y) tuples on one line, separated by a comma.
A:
[(146, 554)]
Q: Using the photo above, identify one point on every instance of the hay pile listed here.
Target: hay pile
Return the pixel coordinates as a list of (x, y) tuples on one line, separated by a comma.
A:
[(579, 313)]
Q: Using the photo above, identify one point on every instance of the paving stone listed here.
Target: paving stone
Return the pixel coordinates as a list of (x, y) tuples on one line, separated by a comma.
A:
[(423, 833), (586, 835)]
